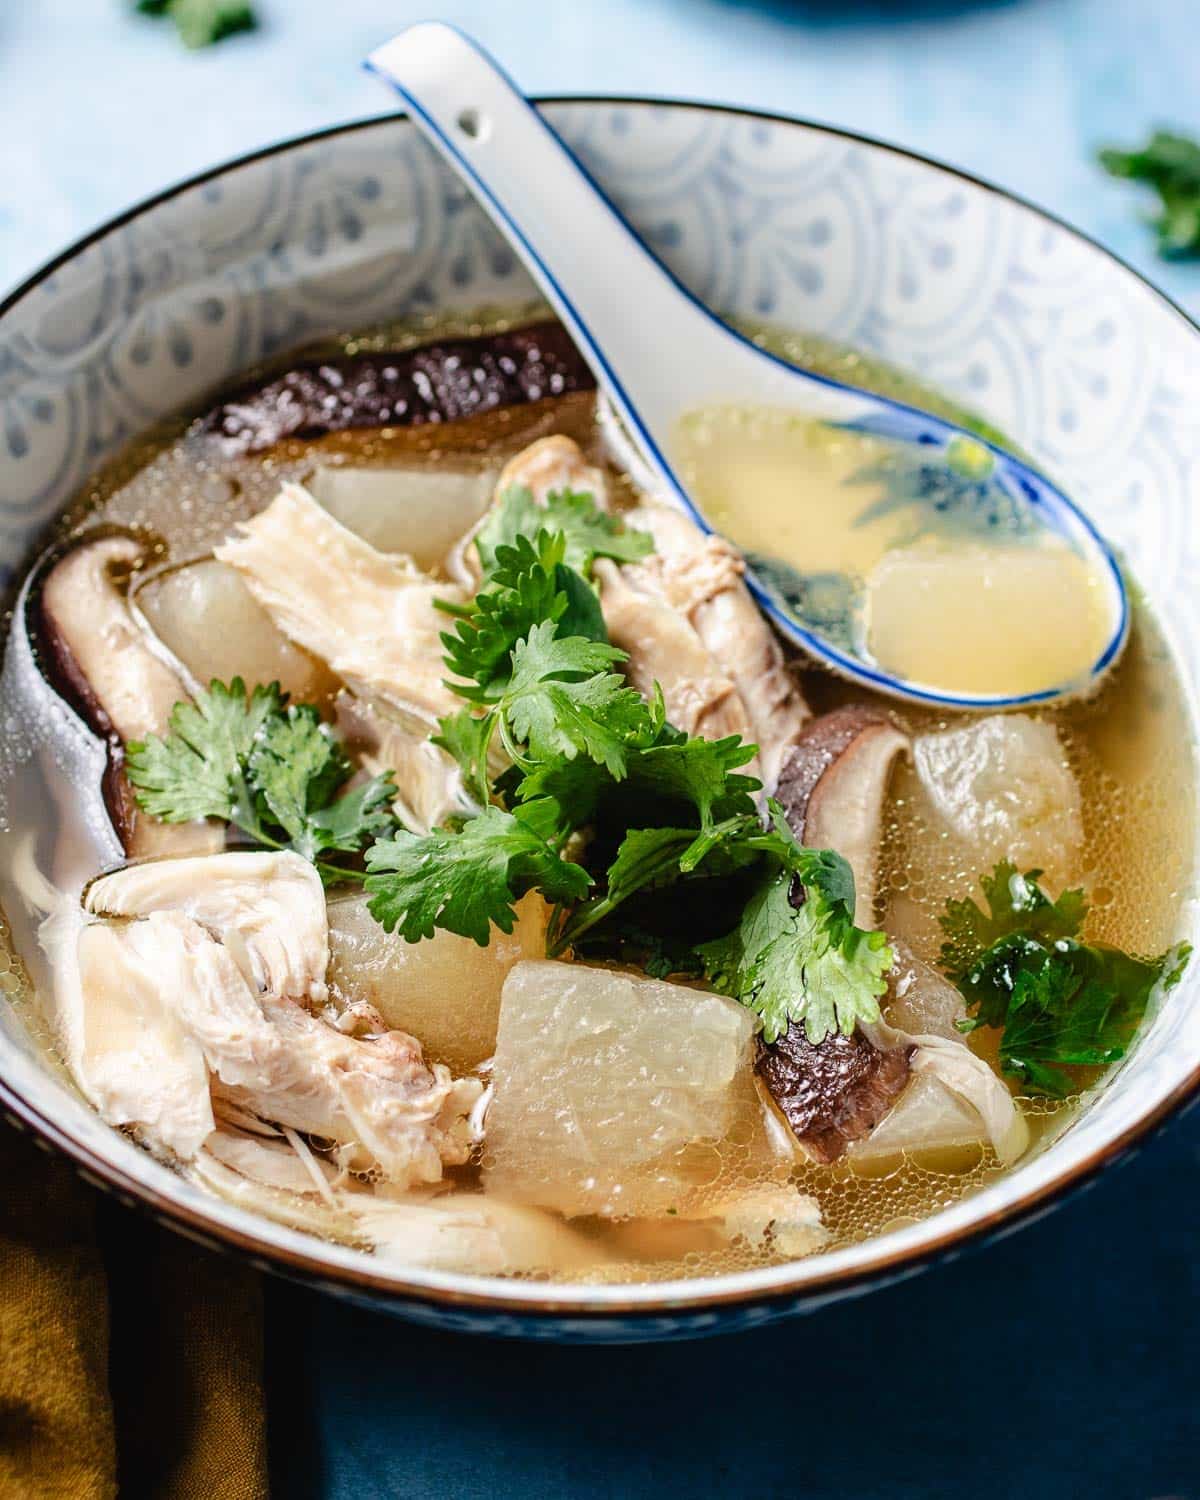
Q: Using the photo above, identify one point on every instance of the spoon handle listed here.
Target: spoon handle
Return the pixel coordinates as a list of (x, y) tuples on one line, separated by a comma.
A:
[(655, 350)]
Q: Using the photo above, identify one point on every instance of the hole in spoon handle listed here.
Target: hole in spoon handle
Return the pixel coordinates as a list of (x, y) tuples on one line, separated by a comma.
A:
[(473, 125)]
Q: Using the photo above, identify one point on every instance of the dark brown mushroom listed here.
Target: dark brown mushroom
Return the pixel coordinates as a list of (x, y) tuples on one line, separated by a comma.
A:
[(833, 786), (104, 665), (835, 1092), (832, 789), (441, 382)]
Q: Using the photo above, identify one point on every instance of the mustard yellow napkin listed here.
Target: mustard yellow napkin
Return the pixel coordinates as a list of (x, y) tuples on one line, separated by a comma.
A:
[(128, 1356)]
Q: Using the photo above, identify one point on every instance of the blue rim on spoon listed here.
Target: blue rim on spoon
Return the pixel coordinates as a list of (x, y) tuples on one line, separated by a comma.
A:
[(419, 65)]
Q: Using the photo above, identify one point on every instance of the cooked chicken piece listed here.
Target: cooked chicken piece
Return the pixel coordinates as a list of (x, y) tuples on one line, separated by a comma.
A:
[(429, 782), (274, 1163), (473, 1232), (106, 666), (554, 463), (267, 909), (374, 1096), (833, 786), (211, 622), (126, 1044), (551, 463), (246, 1181), (268, 1056), (699, 697), (702, 577), (369, 615)]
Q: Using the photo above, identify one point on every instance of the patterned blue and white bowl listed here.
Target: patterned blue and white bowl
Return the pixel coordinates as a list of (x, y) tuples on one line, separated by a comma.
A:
[(1083, 364)]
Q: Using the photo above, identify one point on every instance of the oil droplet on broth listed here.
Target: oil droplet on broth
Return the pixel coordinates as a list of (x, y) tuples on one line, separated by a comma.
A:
[(909, 557)]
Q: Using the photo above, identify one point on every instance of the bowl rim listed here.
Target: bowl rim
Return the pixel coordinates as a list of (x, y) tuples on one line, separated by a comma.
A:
[(581, 1303)]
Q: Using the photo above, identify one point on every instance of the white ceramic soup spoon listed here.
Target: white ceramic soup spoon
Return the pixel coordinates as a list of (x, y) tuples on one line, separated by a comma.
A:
[(659, 355)]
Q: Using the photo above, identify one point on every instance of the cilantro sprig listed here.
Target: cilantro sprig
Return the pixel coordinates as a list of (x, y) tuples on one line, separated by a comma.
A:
[(603, 800), (802, 961), (1059, 1003), (1169, 164), (200, 23), (271, 768), (587, 531)]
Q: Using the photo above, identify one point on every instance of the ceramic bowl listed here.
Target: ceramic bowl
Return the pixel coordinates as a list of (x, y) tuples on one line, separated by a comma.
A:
[(1083, 364)]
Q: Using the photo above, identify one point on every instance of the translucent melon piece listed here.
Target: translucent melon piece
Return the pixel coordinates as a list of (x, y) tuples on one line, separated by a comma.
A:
[(927, 1118), (616, 1094), (422, 512), (1002, 786), (205, 615), (445, 991), (920, 1000)]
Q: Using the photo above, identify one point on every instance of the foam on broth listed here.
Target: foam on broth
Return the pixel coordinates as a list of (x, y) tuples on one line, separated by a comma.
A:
[(1130, 747)]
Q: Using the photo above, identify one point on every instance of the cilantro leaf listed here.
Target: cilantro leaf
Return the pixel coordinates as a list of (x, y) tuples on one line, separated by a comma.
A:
[(467, 739), (662, 768), (1016, 904), (273, 770), (198, 770), (523, 593), (465, 881), (563, 701), (346, 823), (297, 767), (587, 531), (530, 585), (806, 963), (1170, 165), (1058, 1002), (582, 615)]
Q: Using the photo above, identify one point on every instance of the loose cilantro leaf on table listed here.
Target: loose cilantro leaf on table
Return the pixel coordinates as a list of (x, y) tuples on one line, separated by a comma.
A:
[(1058, 1002), (1170, 165), (587, 532), (273, 770), (202, 22)]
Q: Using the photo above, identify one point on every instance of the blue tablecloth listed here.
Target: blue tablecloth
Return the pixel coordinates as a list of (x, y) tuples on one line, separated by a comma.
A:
[(1059, 1362)]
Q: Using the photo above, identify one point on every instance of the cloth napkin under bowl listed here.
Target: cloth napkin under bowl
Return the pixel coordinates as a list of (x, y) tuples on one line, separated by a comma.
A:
[(130, 1359)]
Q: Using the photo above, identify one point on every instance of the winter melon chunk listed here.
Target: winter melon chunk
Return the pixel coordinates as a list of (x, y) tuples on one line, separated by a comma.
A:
[(616, 1094), (445, 991)]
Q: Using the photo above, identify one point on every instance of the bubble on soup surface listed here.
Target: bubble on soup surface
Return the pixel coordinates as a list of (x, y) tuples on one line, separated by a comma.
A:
[(616, 1095)]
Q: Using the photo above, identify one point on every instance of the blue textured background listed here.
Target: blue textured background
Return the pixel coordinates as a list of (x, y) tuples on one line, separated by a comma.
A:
[(1061, 1361)]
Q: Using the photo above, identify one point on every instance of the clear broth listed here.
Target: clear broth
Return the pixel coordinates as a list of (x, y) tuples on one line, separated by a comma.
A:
[(1130, 747)]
